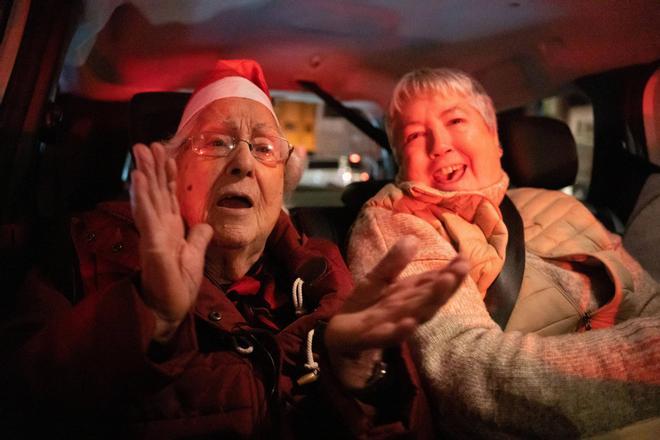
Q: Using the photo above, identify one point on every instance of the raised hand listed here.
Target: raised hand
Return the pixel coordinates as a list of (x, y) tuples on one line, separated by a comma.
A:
[(383, 311), (172, 264)]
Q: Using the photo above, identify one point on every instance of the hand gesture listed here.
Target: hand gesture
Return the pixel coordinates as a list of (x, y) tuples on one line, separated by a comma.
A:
[(172, 264), (383, 311)]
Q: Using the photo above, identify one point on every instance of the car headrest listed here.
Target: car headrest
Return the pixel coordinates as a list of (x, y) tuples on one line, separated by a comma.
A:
[(155, 115), (357, 193), (538, 152)]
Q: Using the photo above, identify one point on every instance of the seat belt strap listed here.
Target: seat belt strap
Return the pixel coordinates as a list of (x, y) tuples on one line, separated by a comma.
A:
[(502, 295)]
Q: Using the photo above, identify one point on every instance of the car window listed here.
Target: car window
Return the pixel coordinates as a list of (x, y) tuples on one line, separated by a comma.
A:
[(573, 108), (337, 152)]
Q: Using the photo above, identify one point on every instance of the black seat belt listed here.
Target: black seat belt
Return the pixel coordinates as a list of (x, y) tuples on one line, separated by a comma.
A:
[(502, 295)]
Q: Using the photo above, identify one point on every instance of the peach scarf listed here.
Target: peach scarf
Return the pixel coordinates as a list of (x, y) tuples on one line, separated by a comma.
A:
[(470, 220)]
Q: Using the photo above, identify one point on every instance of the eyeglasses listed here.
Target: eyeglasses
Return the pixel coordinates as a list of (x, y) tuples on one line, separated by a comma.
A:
[(269, 150)]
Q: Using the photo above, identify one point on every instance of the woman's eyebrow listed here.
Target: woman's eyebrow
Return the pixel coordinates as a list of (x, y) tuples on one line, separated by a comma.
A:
[(265, 129), (265, 126), (232, 126), (407, 124), (214, 124), (260, 125), (452, 109)]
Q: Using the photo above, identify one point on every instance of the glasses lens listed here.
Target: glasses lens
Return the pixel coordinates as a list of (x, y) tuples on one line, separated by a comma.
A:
[(270, 149), (213, 144), (266, 149)]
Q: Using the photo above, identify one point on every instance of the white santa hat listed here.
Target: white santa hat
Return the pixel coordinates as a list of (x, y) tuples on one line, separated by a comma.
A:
[(229, 79)]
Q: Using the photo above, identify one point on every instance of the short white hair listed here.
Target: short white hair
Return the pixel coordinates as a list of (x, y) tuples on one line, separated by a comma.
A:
[(443, 82)]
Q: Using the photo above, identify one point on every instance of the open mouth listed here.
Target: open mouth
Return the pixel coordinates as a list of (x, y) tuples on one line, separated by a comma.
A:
[(234, 201), (449, 174)]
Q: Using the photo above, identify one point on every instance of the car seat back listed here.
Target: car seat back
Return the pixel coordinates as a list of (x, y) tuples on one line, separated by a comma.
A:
[(642, 235), (538, 152), (541, 152)]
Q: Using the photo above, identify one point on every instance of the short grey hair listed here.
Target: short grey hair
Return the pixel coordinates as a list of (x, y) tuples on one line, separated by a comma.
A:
[(443, 82)]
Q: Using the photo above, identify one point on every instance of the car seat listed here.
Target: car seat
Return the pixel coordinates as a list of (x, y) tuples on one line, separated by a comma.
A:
[(538, 152), (155, 115), (541, 152), (642, 234)]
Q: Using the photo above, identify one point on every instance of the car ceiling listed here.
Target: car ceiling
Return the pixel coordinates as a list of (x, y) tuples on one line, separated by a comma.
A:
[(520, 50)]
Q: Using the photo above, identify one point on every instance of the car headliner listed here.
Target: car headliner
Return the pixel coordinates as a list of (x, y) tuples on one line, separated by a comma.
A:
[(520, 50)]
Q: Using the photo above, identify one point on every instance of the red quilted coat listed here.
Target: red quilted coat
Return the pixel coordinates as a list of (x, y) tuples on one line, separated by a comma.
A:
[(90, 370)]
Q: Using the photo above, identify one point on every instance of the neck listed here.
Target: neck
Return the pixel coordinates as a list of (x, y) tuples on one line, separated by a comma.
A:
[(494, 192), (230, 264)]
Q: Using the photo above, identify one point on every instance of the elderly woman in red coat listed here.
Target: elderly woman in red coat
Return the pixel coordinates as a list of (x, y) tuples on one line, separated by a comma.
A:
[(205, 311)]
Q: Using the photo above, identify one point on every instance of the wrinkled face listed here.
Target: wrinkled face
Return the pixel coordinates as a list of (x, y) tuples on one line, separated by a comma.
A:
[(444, 142), (237, 195)]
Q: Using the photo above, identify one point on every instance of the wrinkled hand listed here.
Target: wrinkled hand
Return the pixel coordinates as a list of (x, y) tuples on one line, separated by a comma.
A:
[(172, 265), (383, 311)]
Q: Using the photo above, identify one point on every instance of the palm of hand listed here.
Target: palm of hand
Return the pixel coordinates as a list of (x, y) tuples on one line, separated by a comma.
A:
[(172, 265), (383, 311), (171, 268)]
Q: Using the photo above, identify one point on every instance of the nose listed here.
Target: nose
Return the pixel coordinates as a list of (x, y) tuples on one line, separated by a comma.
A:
[(440, 143), (241, 161)]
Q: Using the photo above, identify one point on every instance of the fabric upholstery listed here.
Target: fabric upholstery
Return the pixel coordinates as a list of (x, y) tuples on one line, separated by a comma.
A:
[(538, 152), (155, 115), (642, 236)]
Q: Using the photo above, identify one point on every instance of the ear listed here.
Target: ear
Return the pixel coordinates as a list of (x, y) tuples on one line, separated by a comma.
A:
[(500, 150), (294, 169)]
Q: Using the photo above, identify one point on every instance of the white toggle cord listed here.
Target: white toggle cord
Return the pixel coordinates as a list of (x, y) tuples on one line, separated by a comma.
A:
[(297, 296), (311, 364)]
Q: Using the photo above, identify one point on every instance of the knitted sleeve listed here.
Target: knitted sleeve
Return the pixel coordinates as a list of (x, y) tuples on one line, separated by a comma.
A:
[(485, 382), (377, 229)]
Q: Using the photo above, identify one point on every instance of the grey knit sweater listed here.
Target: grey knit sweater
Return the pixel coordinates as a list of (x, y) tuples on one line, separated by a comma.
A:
[(487, 383)]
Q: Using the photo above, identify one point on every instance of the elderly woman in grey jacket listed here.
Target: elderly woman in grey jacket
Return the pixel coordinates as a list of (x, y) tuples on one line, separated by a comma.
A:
[(579, 355)]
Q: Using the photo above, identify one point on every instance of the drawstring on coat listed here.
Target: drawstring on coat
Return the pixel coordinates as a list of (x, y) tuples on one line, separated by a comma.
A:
[(311, 364)]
